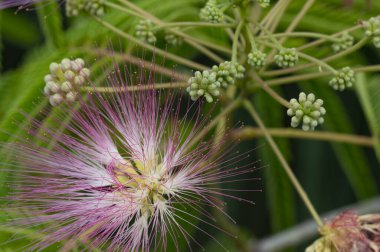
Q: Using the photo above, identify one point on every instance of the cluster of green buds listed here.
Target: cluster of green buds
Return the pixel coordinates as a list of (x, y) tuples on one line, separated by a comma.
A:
[(74, 7), (264, 3), (64, 79), (343, 42), (343, 79), (256, 58), (227, 72), (209, 83), (306, 110), (211, 12), (145, 31), (286, 57), (173, 39), (203, 84), (372, 30)]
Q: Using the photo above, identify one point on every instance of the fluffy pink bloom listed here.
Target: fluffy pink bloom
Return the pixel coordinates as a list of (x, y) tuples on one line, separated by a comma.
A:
[(349, 232), (121, 174)]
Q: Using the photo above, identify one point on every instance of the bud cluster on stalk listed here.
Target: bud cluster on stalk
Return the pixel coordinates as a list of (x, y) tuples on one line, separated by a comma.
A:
[(343, 79), (64, 79), (209, 82), (75, 7), (211, 12), (343, 42), (286, 57), (307, 110), (145, 31), (372, 30)]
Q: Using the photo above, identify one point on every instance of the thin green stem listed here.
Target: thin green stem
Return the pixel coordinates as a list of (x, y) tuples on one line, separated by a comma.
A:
[(316, 61), (251, 37), (270, 91), (300, 34), (172, 85), (284, 163), (308, 76), (123, 9), (236, 41), (192, 25), (251, 133), (147, 46)]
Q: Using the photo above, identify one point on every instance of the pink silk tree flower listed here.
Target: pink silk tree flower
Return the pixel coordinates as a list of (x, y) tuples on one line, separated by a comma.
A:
[(349, 232), (121, 174)]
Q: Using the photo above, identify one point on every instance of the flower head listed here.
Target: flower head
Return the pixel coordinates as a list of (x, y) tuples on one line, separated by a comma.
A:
[(64, 79), (256, 58), (204, 84), (344, 41), (343, 79), (349, 232), (372, 30), (211, 12), (286, 57), (145, 32), (227, 72), (306, 110), (121, 174)]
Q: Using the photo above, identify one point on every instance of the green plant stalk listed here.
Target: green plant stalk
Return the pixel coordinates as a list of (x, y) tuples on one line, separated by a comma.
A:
[(236, 42), (252, 132), (299, 34), (154, 49), (193, 25), (350, 50), (249, 107), (270, 91), (309, 76)]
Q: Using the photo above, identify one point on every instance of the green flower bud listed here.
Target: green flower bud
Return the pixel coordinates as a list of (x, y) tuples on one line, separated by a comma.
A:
[(343, 79), (306, 110), (203, 84), (264, 3), (145, 32), (256, 58), (372, 30), (286, 57), (344, 41), (74, 7), (173, 39), (63, 79), (227, 72), (211, 13)]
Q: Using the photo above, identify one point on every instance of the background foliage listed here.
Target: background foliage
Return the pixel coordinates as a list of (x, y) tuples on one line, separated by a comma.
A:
[(334, 174)]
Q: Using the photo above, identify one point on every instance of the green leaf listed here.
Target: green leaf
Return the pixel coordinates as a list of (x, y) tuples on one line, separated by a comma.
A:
[(369, 95), (351, 157), (278, 188), (51, 21)]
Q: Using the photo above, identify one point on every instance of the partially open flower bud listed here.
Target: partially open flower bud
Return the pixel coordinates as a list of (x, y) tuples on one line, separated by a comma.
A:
[(307, 111)]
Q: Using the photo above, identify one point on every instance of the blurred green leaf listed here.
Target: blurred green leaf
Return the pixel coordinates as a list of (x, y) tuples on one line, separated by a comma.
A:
[(351, 157), (369, 93)]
